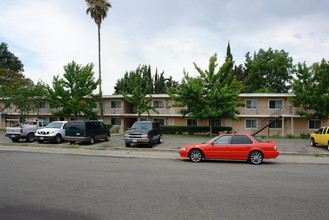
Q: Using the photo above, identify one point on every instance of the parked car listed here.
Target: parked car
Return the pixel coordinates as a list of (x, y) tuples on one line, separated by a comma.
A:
[(54, 131), (24, 131), (143, 132), (320, 137), (86, 131), (231, 146)]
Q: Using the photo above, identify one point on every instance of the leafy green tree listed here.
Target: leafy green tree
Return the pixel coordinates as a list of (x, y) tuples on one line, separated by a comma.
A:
[(8, 60), (156, 84), (137, 87), (11, 79), (211, 95), (98, 11), (269, 71), (25, 98), (73, 94), (311, 87)]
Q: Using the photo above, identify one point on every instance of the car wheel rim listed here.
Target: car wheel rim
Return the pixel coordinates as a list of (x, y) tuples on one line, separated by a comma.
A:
[(256, 158), (196, 156)]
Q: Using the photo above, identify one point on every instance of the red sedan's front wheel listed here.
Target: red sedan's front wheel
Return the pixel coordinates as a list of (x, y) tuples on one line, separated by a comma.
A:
[(196, 155)]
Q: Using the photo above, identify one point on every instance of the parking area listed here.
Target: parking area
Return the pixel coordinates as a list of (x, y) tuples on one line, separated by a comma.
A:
[(174, 143)]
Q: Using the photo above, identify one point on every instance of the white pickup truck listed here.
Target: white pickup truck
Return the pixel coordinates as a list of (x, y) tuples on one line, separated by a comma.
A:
[(24, 131)]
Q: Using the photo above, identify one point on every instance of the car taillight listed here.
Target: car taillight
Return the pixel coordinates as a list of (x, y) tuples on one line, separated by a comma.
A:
[(65, 132), (5, 130), (84, 133), (21, 131)]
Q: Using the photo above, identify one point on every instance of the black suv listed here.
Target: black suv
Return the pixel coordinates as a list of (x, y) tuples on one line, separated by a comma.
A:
[(144, 132), (86, 131)]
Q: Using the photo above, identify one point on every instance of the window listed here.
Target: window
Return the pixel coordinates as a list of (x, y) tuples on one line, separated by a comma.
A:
[(53, 119), (251, 123), (158, 104), (192, 122), (43, 105), (251, 104), (226, 139), (160, 120), (275, 104), (217, 122), (42, 119), (143, 119), (116, 121), (314, 124), (275, 124), (116, 104), (241, 139)]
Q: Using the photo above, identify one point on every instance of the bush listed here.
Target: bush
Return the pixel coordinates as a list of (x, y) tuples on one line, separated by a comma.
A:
[(193, 129), (304, 136), (109, 126)]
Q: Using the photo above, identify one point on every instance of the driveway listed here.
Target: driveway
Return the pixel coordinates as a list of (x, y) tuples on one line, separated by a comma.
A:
[(174, 143)]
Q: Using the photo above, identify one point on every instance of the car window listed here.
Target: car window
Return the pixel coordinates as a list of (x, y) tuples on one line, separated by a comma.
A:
[(257, 139), (241, 139), (328, 130), (225, 139), (55, 125), (325, 130), (75, 125), (320, 131), (65, 125)]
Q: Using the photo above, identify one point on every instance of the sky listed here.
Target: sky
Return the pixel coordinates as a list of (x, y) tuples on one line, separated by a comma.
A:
[(168, 35)]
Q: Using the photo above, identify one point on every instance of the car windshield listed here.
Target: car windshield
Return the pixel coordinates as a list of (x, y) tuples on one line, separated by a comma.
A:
[(211, 140), (54, 125), (142, 126)]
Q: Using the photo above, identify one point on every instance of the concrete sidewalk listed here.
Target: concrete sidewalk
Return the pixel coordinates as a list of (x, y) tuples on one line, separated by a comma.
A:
[(158, 154)]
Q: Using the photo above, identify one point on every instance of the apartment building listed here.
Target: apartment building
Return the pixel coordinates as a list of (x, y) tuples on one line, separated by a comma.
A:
[(264, 114)]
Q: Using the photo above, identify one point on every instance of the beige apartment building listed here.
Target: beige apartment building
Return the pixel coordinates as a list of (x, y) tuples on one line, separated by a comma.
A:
[(266, 113)]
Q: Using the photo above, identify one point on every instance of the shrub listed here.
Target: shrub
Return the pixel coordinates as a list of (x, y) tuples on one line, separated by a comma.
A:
[(109, 126), (304, 136)]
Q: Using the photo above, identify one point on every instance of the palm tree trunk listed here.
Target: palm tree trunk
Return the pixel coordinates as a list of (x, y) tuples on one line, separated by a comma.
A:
[(100, 73)]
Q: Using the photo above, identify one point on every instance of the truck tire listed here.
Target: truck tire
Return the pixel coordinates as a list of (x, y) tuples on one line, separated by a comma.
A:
[(30, 137), (15, 140)]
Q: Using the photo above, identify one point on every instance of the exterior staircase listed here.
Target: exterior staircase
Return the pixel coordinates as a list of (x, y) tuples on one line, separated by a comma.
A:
[(266, 123)]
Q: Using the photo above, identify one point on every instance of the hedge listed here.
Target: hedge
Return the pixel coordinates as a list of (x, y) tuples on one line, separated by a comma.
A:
[(193, 129)]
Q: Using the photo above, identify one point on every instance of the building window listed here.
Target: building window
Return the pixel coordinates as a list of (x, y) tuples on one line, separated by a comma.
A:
[(251, 123), (192, 122), (160, 120), (314, 124), (251, 104), (116, 104), (52, 119), (216, 122), (43, 105), (276, 104), (158, 104), (276, 124), (116, 121), (143, 119)]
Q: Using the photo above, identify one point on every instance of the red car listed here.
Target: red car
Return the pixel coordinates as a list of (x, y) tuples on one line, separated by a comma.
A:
[(231, 146)]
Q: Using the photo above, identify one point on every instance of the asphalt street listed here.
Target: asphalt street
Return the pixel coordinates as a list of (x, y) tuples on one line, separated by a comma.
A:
[(59, 186)]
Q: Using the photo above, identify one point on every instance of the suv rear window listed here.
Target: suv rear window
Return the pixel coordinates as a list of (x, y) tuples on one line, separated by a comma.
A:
[(75, 125)]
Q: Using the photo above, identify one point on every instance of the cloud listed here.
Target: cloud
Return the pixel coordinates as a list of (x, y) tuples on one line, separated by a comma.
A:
[(168, 35)]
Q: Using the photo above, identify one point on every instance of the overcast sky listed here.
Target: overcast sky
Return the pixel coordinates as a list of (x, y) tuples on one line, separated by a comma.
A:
[(167, 34)]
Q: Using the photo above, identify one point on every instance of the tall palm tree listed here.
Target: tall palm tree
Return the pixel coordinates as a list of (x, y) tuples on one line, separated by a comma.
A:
[(98, 11)]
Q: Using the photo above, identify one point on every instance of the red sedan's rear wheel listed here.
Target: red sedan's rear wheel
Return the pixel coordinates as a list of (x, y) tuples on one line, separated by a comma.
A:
[(196, 155), (255, 157)]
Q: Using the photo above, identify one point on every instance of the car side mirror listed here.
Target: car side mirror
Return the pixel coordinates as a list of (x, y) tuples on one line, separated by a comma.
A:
[(212, 143)]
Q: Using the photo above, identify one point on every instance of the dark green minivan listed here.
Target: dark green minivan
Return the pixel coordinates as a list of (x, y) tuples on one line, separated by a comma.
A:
[(86, 131)]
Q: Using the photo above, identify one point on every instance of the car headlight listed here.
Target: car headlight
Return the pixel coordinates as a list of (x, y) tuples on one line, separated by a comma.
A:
[(182, 148)]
